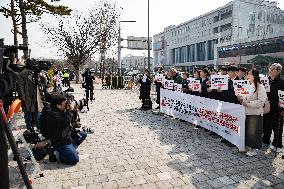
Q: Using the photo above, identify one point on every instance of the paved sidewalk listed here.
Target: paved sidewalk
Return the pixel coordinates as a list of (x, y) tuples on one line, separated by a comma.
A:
[(135, 149)]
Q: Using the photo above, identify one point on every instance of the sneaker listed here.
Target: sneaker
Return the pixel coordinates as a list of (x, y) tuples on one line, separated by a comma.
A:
[(252, 152)]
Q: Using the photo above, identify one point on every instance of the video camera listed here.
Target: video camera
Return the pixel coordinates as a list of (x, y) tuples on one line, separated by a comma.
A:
[(7, 52), (35, 65)]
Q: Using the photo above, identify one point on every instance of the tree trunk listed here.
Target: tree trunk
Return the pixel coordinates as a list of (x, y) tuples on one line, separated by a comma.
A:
[(15, 28), (104, 62), (22, 6), (77, 71)]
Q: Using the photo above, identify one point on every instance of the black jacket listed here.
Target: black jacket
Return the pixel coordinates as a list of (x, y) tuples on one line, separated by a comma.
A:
[(59, 128), (185, 87), (204, 92), (229, 95), (145, 88), (7, 82), (275, 85)]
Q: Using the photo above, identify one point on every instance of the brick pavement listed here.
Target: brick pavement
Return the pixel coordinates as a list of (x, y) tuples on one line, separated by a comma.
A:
[(135, 149)]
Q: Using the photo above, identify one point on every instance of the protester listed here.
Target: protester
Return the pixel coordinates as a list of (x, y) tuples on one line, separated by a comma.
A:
[(204, 74), (273, 121), (223, 71), (229, 95), (242, 73), (196, 75), (145, 89), (254, 103), (58, 127), (176, 77), (185, 88), (158, 86)]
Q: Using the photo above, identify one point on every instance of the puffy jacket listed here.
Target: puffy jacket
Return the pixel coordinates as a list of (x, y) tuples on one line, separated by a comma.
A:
[(255, 101)]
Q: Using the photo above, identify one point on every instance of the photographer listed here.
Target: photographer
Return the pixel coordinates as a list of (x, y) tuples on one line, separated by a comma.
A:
[(29, 93), (7, 81), (88, 84), (59, 121)]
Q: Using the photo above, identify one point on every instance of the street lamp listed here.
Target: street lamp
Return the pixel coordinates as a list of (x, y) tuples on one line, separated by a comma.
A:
[(119, 44), (149, 35)]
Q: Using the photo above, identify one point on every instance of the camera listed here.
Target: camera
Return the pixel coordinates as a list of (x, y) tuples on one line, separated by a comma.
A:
[(7, 52), (35, 65)]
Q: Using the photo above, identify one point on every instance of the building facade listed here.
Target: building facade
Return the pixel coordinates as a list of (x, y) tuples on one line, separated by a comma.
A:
[(197, 42), (135, 63)]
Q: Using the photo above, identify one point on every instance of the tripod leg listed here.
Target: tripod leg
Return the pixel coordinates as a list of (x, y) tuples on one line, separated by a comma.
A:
[(16, 153)]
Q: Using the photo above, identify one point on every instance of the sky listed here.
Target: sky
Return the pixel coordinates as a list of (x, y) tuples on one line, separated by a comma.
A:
[(162, 14)]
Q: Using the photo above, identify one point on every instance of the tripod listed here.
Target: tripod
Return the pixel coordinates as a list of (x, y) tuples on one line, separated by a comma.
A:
[(13, 144)]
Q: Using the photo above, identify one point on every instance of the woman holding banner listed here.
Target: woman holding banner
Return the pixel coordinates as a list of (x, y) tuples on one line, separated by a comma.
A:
[(254, 103), (184, 83), (196, 76)]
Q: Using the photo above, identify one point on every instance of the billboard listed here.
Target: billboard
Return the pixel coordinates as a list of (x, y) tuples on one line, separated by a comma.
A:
[(138, 43)]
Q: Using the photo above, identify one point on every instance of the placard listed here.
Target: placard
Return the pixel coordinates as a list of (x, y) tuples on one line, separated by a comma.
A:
[(281, 98), (169, 84), (265, 82), (241, 87), (219, 81), (194, 84), (178, 87), (159, 77)]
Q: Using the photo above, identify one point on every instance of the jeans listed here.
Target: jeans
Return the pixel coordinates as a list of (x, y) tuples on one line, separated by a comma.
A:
[(30, 118), (68, 153)]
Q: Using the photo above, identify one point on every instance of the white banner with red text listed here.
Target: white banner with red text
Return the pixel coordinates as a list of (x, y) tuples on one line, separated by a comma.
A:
[(223, 118)]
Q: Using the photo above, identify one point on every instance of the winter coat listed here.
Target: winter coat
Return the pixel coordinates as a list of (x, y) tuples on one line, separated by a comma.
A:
[(255, 100), (29, 93), (145, 88), (59, 128), (275, 85)]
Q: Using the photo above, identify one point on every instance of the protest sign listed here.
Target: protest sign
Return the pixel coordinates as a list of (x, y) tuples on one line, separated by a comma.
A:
[(241, 87), (265, 82), (225, 119), (178, 87), (219, 81), (159, 77), (195, 85), (281, 98), (169, 84)]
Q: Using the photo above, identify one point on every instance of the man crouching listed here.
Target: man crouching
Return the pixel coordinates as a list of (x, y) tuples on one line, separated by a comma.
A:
[(59, 129)]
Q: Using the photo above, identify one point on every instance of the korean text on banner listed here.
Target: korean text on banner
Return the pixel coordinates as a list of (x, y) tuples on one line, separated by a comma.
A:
[(265, 82), (219, 81), (241, 87), (225, 119), (281, 98)]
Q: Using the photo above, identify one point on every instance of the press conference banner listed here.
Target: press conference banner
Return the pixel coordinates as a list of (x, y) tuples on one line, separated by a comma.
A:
[(223, 118)]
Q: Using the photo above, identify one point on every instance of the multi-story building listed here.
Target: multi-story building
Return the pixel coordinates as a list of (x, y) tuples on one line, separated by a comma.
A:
[(138, 63), (197, 42)]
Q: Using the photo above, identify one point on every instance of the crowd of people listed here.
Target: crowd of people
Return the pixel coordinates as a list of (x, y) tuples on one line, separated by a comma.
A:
[(53, 113), (263, 112)]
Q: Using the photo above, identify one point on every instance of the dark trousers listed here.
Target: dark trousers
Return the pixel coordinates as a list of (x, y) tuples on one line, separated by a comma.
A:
[(158, 89), (4, 171), (89, 93), (273, 122), (254, 130)]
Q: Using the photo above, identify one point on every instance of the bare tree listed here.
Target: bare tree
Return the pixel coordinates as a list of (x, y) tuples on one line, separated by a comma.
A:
[(106, 19), (80, 36), (24, 12)]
